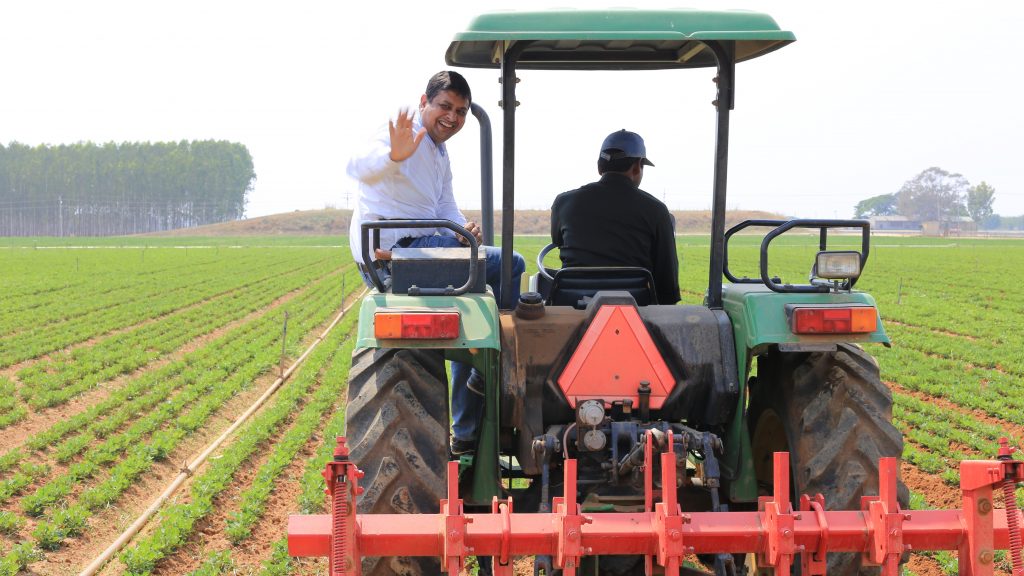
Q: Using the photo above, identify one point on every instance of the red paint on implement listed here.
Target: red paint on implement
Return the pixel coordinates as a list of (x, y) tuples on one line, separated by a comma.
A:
[(881, 530)]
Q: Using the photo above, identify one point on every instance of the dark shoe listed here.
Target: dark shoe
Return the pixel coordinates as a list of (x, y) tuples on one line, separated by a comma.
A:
[(459, 447), (475, 383)]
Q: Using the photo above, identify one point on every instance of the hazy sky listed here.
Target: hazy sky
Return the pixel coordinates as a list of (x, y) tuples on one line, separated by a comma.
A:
[(871, 94)]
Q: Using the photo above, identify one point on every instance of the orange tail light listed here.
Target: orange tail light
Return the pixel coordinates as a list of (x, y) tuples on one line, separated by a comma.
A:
[(833, 319), (416, 324)]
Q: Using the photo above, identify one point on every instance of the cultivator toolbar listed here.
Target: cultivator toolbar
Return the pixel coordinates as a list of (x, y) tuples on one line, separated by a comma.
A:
[(778, 533)]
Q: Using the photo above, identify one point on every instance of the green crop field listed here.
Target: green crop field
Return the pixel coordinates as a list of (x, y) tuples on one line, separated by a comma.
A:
[(120, 359)]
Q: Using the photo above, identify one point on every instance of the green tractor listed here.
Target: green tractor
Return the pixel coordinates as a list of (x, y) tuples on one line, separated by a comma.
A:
[(586, 367)]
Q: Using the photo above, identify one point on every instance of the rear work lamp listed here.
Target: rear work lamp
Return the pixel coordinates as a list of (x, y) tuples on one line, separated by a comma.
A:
[(837, 265), (832, 319), (416, 324)]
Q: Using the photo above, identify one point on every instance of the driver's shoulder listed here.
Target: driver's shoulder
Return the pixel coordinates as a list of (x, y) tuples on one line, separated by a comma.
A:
[(651, 199)]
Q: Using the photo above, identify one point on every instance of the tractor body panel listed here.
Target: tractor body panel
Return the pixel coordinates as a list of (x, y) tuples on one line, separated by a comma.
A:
[(759, 316), (759, 320), (478, 324)]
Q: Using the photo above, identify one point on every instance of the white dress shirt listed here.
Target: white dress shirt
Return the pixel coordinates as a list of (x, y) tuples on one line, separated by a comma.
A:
[(420, 187)]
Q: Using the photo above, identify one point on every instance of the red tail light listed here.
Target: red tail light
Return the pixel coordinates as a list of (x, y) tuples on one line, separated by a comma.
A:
[(416, 324), (833, 319)]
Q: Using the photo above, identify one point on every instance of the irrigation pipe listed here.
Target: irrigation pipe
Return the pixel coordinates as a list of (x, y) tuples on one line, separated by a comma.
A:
[(186, 472)]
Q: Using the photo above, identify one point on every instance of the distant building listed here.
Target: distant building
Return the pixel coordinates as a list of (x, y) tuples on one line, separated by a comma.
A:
[(957, 226), (894, 224)]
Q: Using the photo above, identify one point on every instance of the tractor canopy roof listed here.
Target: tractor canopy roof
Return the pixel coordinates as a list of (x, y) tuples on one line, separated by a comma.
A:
[(614, 39)]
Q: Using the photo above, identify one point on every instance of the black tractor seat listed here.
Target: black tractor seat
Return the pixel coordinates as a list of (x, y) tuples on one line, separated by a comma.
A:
[(576, 286)]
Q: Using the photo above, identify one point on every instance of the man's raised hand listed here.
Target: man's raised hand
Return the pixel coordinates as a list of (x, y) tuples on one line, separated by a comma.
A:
[(404, 138)]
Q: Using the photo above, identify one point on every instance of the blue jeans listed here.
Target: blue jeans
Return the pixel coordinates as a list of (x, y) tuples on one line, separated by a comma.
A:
[(468, 407)]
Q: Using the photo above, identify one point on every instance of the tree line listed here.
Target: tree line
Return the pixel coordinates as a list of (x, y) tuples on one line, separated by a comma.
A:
[(88, 189), (935, 195)]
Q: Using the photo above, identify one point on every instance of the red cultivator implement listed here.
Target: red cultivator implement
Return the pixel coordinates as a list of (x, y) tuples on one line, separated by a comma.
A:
[(777, 533)]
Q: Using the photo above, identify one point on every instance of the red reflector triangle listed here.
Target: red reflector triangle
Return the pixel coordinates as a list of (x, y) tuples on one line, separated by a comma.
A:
[(615, 354)]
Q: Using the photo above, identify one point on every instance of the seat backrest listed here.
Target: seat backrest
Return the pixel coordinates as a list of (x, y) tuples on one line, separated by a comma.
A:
[(576, 286)]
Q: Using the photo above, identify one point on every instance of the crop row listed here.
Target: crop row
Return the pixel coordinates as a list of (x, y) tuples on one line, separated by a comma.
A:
[(960, 289), (252, 506), (53, 382), (71, 519), (39, 277), (207, 389), (254, 499), (18, 558), (202, 398), (137, 395), (56, 336), (27, 473), (141, 393), (10, 411), (990, 391), (176, 522), (150, 390), (977, 353), (938, 439), (311, 498), (118, 289)]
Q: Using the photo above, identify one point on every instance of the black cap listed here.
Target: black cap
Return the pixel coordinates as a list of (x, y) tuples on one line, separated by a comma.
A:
[(624, 144)]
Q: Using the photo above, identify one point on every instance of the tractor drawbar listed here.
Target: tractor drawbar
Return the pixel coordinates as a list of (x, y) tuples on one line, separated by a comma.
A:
[(665, 534)]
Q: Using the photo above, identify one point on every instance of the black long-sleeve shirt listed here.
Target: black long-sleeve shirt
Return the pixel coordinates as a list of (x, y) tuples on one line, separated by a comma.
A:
[(611, 222)]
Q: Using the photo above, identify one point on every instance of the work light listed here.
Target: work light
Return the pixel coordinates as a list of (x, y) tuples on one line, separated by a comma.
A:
[(837, 265)]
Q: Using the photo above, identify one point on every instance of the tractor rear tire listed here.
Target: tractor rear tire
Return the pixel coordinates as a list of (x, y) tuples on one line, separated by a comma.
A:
[(833, 414), (396, 423)]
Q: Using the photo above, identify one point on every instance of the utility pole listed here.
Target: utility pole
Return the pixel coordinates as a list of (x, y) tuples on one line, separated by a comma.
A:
[(60, 215)]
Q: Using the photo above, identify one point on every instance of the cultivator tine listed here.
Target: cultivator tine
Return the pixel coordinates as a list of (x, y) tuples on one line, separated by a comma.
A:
[(342, 478), (502, 563), (455, 550), (570, 524), (885, 545), (668, 519), (778, 519), (814, 563)]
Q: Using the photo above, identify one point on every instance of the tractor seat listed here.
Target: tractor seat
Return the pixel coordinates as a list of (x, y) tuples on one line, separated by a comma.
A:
[(576, 286)]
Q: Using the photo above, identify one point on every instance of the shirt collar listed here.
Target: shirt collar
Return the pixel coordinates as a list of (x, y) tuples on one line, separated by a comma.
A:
[(608, 176)]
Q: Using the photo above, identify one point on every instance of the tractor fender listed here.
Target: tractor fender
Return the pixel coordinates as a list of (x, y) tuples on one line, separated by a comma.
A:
[(698, 345)]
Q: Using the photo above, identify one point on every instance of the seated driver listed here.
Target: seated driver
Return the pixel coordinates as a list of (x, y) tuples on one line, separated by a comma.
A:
[(612, 222)]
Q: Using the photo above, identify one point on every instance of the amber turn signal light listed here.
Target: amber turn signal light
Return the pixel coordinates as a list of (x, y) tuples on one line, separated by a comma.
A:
[(833, 320), (416, 325)]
